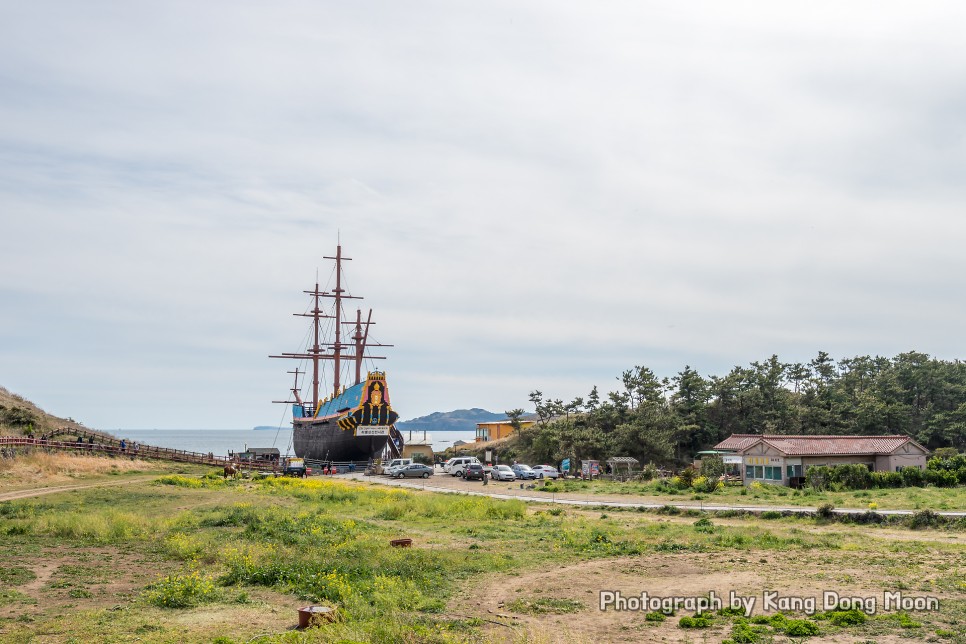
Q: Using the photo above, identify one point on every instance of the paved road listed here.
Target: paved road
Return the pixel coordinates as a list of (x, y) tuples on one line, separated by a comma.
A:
[(446, 484)]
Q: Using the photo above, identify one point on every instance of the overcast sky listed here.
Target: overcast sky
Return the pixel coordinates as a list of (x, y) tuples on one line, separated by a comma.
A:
[(535, 195)]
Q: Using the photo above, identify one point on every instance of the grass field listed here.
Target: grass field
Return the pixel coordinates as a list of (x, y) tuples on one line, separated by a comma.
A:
[(192, 559), (909, 498)]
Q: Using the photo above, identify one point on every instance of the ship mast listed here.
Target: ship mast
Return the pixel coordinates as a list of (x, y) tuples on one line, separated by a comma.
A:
[(316, 312), (338, 295), (319, 350)]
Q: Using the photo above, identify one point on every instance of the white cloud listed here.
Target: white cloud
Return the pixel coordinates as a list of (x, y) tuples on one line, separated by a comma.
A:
[(544, 194)]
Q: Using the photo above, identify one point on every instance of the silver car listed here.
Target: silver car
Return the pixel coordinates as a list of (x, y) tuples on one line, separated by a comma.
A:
[(416, 470), (502, 473)]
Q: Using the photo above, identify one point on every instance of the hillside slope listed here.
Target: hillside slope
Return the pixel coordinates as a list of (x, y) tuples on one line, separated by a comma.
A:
[(19, 416)]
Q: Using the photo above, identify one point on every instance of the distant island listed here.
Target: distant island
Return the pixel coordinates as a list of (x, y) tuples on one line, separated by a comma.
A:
[(459, 420), (259, 427)]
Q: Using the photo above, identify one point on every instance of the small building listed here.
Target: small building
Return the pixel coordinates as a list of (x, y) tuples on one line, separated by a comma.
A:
[(421, 443), (268, 454), (783, 460), (497, 429)]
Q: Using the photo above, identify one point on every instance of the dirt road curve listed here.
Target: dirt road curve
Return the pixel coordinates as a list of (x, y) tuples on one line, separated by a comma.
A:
[(26, 494)]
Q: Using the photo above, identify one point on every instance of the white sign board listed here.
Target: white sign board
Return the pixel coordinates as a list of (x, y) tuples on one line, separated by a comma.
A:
[(372, 430)]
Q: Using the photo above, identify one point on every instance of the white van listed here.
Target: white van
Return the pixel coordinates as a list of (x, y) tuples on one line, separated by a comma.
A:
[(456, 466), (396, 464)]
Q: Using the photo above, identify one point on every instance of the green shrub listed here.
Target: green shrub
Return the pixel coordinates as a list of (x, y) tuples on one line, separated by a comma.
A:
[(924, 519), (817, 477), (884, 480), (945, 460), (852, 617), (941, 478), (744, 633), (912, 477), (655, 617), (704, 524), (778, 620), (800, 628), (686, 477), (905, 621), (825, 511), (182, 591), (695, 622), (731, 611), (853, 476), (771, 514)]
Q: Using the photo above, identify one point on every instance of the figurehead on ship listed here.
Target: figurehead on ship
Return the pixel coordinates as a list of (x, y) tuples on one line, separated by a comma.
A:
[(375, 411)]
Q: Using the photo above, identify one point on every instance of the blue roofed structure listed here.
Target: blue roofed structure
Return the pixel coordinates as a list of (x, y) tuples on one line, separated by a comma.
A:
[(348, 399)]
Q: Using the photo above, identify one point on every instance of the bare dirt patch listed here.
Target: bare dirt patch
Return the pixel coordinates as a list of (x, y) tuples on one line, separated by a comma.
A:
[(664, 575)]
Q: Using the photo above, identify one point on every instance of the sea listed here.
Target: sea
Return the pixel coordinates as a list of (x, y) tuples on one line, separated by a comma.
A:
[(222, 441)]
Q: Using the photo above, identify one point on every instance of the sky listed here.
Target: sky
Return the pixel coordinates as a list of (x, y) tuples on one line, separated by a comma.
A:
[(534, 195)]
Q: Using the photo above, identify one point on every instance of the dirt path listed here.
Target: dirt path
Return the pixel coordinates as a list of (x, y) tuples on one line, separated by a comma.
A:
[(26, 494)]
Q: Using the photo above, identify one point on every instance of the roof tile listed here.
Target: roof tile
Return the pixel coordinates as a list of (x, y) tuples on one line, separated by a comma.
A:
[(819, 445)]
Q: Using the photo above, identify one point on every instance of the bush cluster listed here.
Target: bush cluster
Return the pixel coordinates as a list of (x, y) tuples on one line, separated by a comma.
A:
[(859, 477), (182, 591)]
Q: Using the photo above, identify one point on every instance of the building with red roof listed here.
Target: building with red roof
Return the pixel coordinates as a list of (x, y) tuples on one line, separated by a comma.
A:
[(782, 460)]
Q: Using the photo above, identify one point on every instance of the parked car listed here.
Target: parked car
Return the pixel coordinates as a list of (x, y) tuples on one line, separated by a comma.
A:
[(502, 473), (296, 467), (416, 470), (473, 471), (546, 471), (523, 471), (458, 465), (396, 464)]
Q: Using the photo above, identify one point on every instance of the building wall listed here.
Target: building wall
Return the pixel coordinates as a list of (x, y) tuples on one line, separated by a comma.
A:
[(864, 459), (767, 465), (410, 450), (496, 431), (906, 460)]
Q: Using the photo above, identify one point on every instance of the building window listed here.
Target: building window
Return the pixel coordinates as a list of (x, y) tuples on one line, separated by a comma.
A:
[(793, 470), (750, 471), (759, 472)]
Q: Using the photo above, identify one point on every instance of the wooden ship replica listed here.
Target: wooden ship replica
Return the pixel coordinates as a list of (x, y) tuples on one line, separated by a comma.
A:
[(355, 422)]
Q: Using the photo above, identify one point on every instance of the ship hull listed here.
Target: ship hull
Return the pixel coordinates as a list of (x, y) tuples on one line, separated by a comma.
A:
[(324, 440)]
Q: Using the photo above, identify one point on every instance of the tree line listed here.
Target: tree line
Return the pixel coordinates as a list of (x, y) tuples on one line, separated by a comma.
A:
[(667, 420)]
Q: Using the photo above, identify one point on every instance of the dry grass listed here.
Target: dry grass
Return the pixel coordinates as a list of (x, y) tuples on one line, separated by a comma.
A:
[(59, 467)]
